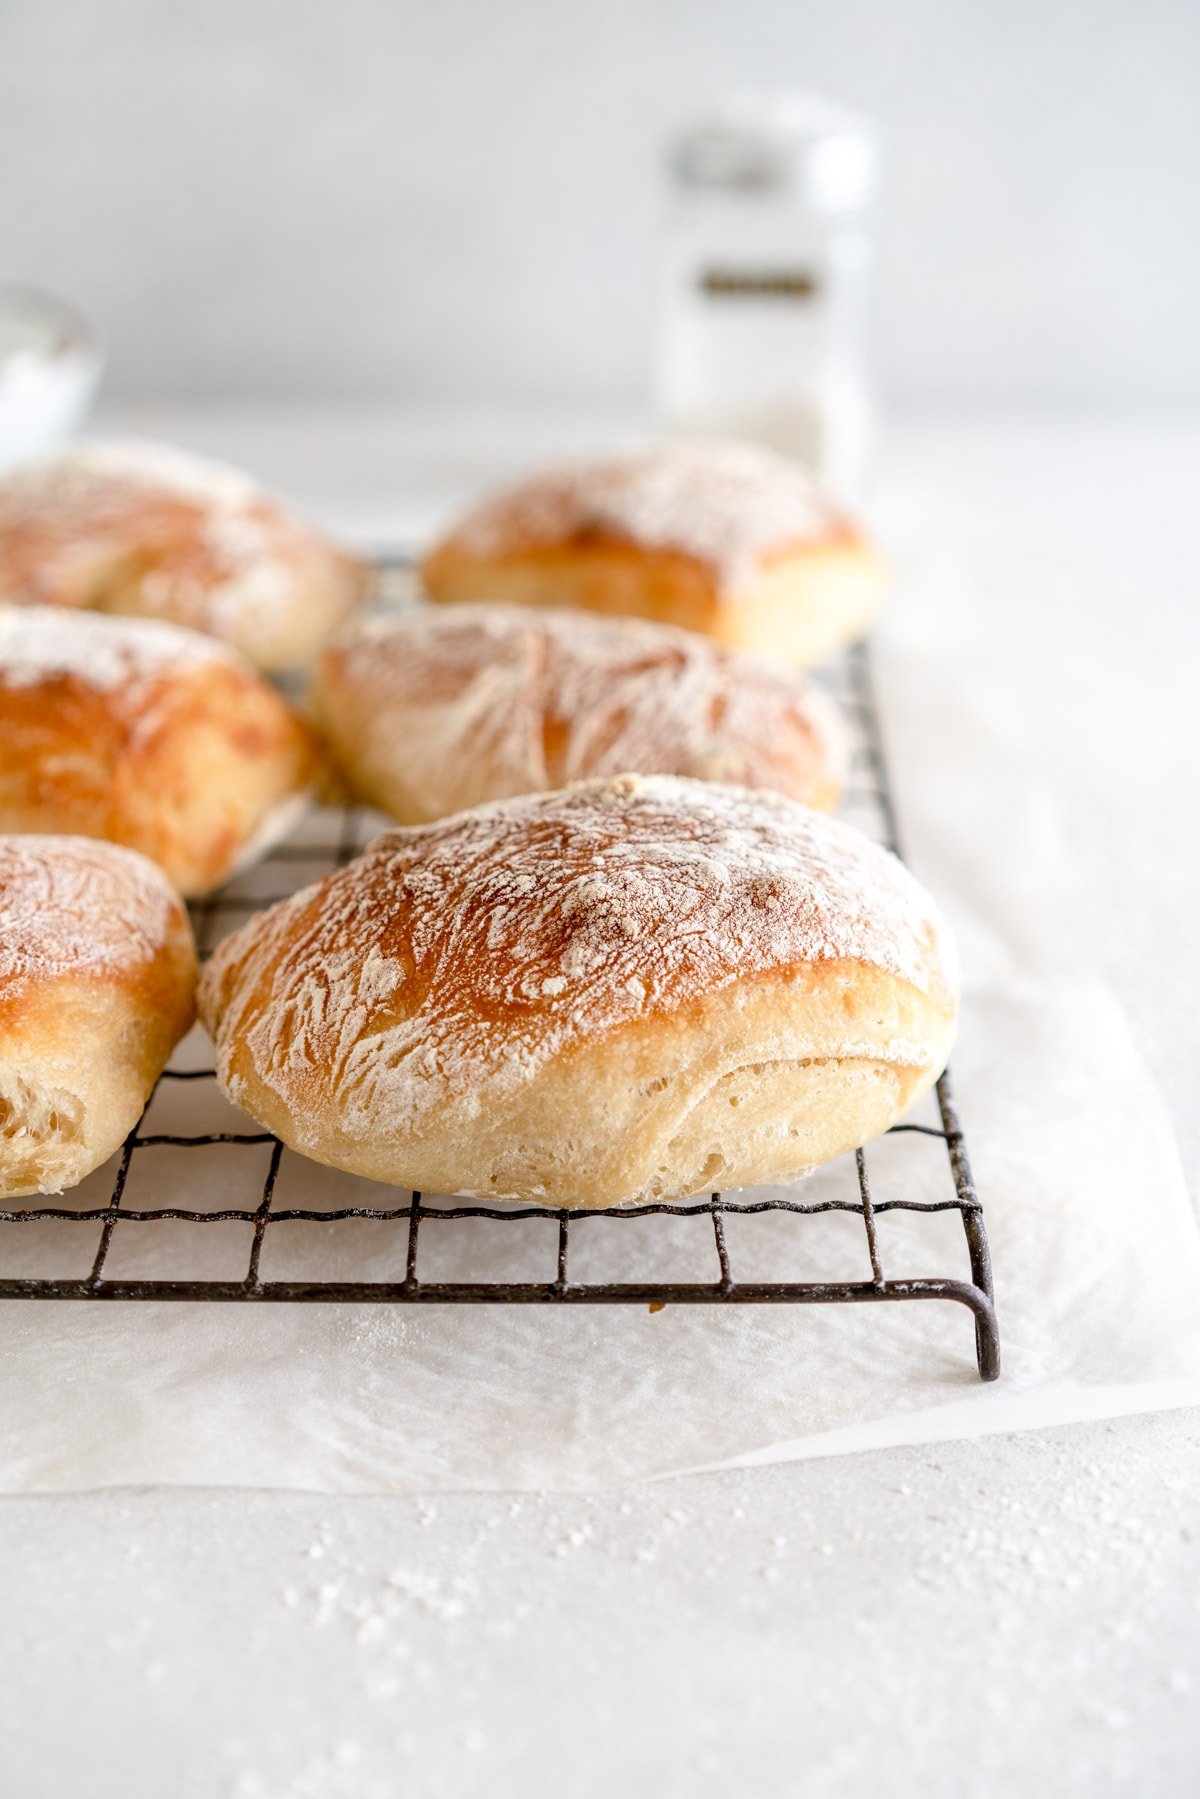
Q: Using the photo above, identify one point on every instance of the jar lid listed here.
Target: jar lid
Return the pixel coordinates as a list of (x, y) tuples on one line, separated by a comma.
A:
[(777, 140)]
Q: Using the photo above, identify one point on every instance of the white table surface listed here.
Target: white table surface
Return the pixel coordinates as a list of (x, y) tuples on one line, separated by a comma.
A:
[(1011, 1615)]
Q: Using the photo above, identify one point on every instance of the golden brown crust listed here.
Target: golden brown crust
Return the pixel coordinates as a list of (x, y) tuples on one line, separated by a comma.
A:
[(625, 990), (432, 711), (147, 735), (145, 531), (721, 539), (97, 983)]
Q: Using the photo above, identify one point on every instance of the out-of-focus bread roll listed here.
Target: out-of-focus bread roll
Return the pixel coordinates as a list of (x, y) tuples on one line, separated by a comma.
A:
[(148, 735), (145, 530), (438, 709), (723, 538), (630, 990), (97, 982)]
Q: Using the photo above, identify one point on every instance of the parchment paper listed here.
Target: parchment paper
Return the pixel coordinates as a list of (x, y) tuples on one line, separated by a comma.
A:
[(1096, 1252)]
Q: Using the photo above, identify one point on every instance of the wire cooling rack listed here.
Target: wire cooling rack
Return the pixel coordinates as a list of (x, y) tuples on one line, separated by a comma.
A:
[(136, 1199)]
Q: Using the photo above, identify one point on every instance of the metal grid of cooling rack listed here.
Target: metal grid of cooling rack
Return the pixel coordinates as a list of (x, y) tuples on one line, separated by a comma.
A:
[(253, 1187)]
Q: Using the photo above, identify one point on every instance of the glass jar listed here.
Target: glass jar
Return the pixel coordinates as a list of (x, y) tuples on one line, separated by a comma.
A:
[(50, 362), (764, 279)]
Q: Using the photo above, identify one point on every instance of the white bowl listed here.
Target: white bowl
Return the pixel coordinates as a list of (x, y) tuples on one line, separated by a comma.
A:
[(50, 363)]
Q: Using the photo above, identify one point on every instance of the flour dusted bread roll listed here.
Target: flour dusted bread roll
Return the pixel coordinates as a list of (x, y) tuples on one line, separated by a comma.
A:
[(97, 980), (141, 529), (437, 709), (634, 989), (146, 734), (724, 538)]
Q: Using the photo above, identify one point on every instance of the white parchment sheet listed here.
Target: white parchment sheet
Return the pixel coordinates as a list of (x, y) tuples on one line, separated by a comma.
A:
[(1097, 1257)]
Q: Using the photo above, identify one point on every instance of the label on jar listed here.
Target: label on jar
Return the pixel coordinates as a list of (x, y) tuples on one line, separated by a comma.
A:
[(770, 284)]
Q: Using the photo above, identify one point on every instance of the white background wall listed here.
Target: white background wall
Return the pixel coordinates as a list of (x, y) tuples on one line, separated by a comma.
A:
[(359, 198)]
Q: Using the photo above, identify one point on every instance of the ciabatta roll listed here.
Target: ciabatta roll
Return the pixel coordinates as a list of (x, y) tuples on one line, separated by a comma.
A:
[(148, 531), (723, 538), (634, 989), (440, 708), (148, 735), (97, 982)]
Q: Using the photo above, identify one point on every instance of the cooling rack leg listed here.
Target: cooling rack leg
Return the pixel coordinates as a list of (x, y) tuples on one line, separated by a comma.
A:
[(987, 1339)]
